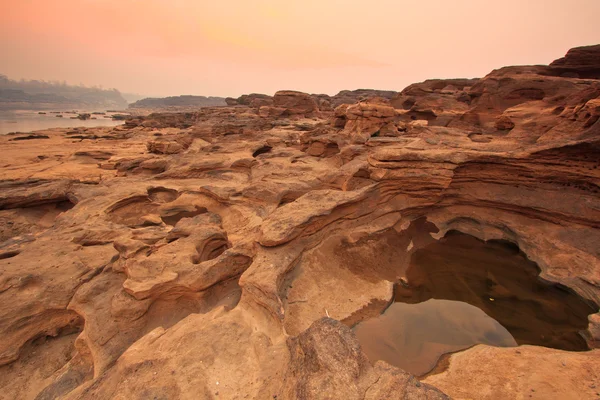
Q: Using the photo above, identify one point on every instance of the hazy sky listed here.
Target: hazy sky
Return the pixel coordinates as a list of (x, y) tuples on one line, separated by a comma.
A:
[(231, 47)]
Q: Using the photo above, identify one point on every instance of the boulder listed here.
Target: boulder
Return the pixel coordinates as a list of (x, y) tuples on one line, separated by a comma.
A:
[(366, 119), (296, 103), (504, 123), (327, 362)]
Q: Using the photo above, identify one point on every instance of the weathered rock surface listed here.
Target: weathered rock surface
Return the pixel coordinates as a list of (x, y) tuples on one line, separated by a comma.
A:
[(324, 102), (295, 103), (535, 373), (211, 254), (354, 96), (579, 62), (364, 120), (327, 362)]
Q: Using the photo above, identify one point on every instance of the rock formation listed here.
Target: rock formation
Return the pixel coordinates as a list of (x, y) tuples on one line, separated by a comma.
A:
[(177, 103), (227, 252), (324, 102), (580, 62)]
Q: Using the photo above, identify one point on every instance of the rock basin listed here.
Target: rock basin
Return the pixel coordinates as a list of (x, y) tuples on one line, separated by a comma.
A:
[(461, 291)]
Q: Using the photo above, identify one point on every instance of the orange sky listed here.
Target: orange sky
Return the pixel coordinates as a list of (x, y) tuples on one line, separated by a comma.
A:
[(227, 48)]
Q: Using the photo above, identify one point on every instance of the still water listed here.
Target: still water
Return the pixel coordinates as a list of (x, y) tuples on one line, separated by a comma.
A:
[(414, 336), (461, 291), (28, 121)]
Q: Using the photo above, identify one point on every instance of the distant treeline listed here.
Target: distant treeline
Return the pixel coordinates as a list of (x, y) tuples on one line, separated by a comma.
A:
[(35, 94)]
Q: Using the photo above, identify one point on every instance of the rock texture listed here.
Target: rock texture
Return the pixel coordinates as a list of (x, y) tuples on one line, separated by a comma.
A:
[(580, 62), (211, 254)]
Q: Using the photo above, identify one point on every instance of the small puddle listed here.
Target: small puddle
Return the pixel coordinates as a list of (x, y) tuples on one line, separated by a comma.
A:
[(461, 291), (414, 336)]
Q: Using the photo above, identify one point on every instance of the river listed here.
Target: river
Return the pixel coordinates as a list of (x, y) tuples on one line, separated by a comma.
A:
[(28, 121)]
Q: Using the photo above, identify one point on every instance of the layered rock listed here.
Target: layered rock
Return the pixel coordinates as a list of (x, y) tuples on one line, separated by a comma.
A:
[(438, 101), (212, 253), (354, 96), (364, 120), (579, 62), (251, 100)]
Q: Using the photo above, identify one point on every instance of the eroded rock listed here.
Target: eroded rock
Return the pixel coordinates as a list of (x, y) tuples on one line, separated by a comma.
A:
[(212, 251)]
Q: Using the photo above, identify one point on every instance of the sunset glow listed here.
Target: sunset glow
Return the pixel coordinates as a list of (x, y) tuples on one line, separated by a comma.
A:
[(159, 47)]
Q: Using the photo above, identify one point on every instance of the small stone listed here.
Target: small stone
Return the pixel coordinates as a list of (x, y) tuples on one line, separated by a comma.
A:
[(504, 123)]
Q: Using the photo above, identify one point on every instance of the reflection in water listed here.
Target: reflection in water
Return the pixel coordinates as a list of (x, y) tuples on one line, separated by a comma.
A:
[(28, 121), (499, 279), (494, 278), (414, 336)]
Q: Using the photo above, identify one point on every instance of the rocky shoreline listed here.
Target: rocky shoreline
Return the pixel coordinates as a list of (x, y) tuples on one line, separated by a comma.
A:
[(228, 251)]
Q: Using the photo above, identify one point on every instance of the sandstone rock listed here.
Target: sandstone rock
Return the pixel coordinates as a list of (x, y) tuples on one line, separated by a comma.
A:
[(538, 372), (504, 123), (179, 250), (322, 148), (288, 222), (295, 103), (169, 145), (326, 360), (271, 112), (164, 147), (354, 96), (438, 101), (339, 116), (366, 119), (255, 100), (579, 62), (323, 102)]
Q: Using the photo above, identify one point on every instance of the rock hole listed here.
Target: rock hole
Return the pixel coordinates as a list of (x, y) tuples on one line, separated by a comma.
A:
[(8, 254), (525, 94), (461, 291), (174, 214), (162, 195), (289, 197), (211, 249), (408, 104), (262, 150), (130, 211)]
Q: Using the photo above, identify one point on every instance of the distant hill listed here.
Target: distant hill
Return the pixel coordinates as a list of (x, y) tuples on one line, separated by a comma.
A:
[(34, 95), (179, 101), (132, 97)]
